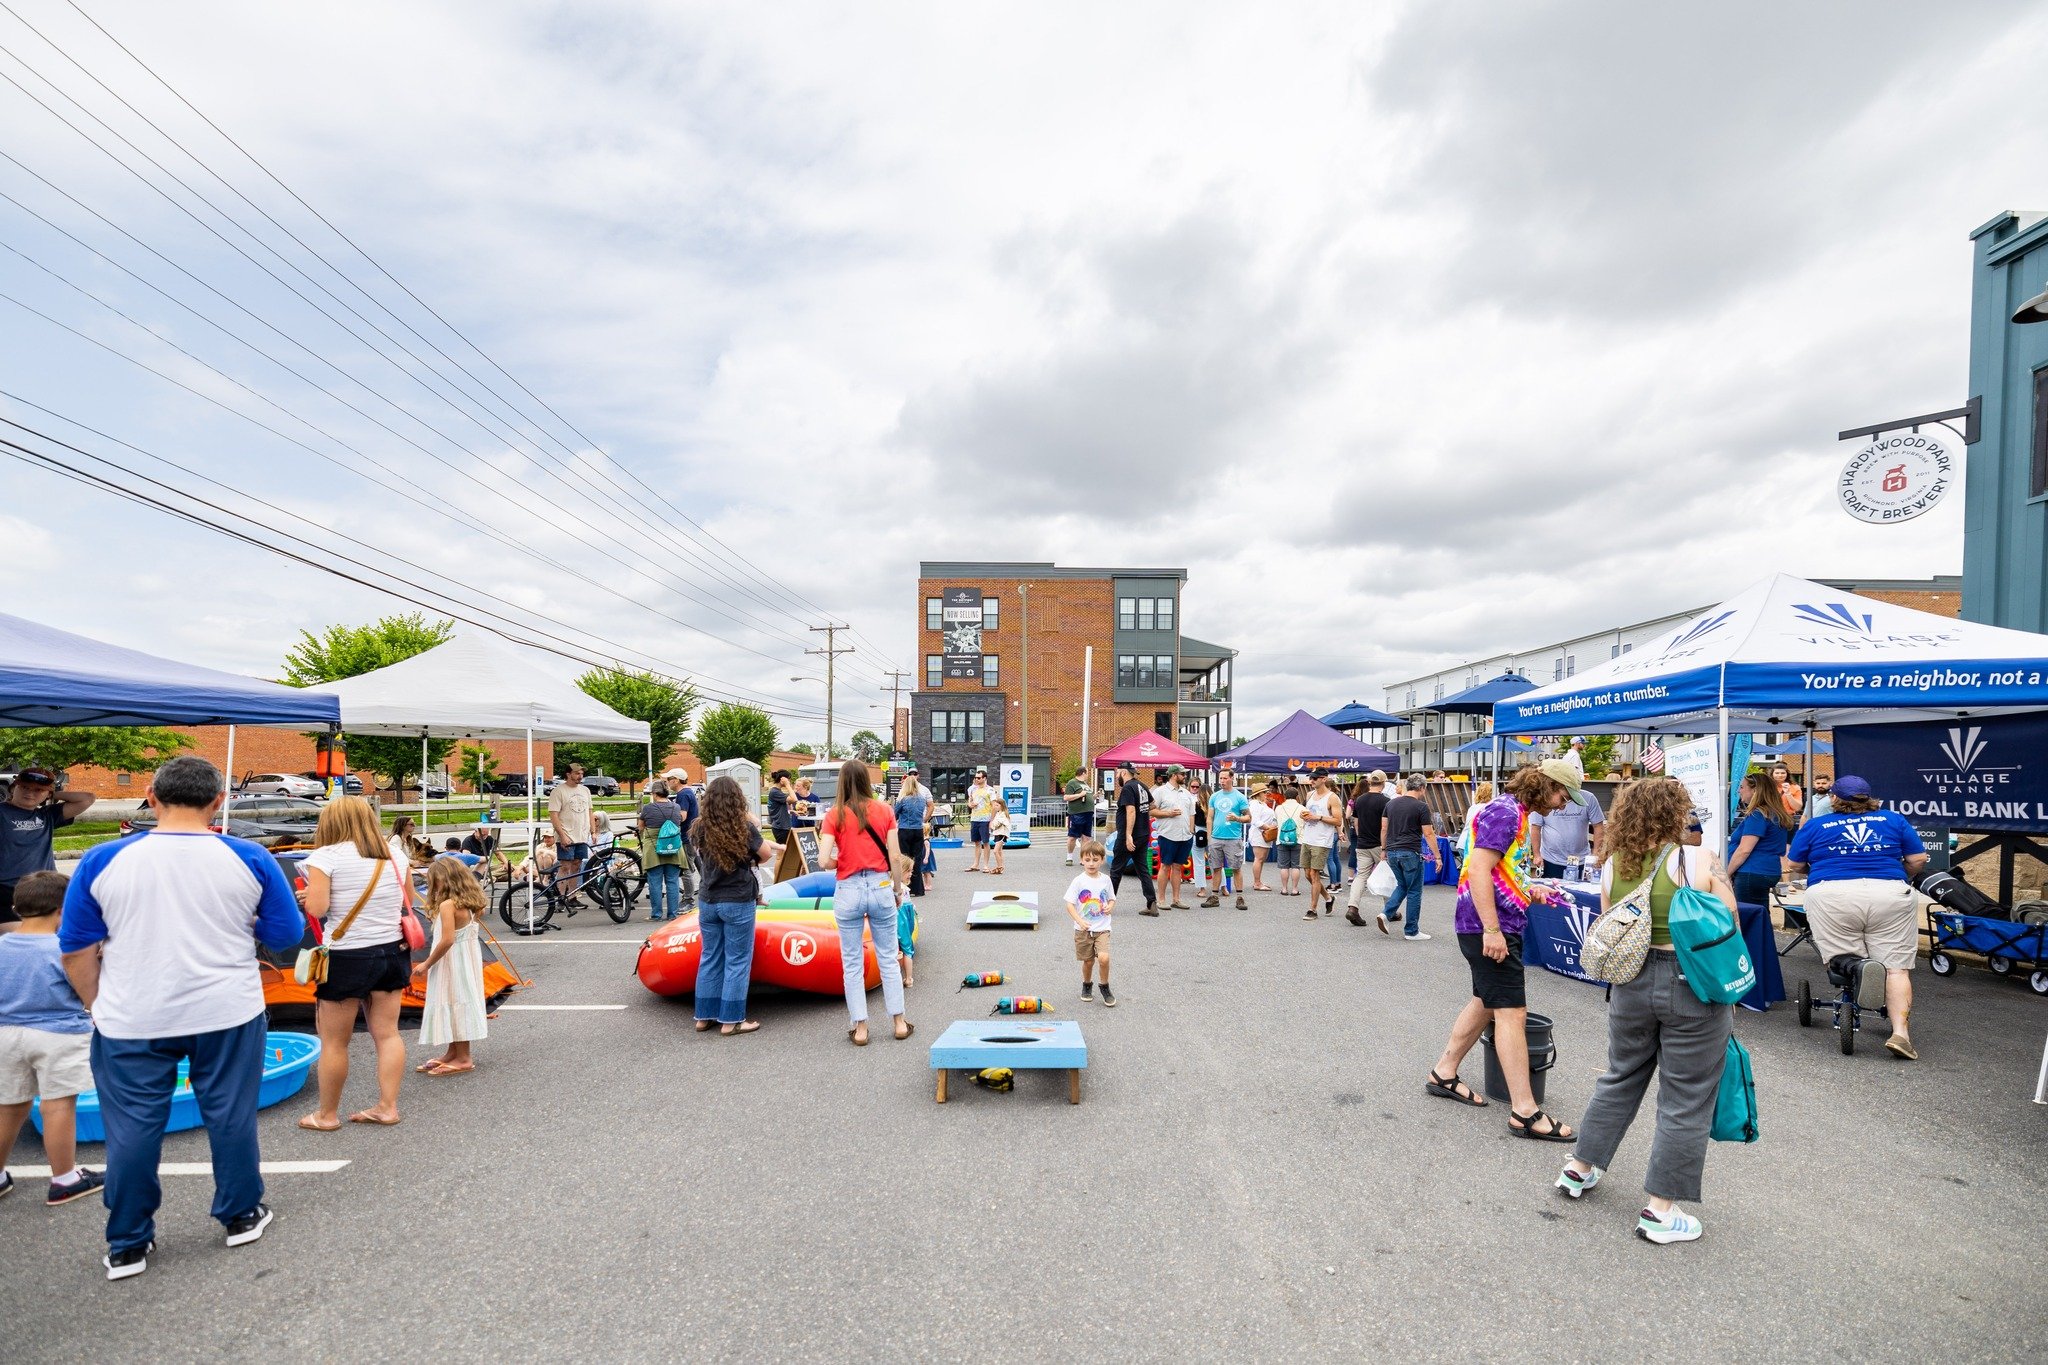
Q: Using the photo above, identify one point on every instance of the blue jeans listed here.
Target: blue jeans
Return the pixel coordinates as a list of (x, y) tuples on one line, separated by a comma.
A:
[(1408, 887), (136, 1078), (664, 890), (727, 962), (860, 900)]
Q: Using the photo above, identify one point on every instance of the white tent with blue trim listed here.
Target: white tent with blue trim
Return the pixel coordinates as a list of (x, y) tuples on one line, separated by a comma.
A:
[(1790, 654)]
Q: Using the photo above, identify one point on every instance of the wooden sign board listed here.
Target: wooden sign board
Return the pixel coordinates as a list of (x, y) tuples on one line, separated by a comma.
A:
[(799, 855)]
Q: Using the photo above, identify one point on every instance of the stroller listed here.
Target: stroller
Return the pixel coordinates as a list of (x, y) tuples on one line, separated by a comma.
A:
[(1859, 988)]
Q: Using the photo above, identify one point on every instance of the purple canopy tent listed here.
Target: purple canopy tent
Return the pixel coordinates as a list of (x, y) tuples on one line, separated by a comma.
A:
[(1302, 744)]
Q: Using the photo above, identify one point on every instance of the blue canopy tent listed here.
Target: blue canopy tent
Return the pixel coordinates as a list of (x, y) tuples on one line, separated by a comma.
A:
[(1479, 700), (52, 677), (1788, 654), (1493, 744), (1356, 715), (1303, 744)]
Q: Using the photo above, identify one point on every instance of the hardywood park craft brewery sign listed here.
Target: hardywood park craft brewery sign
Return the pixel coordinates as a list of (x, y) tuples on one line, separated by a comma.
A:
[(1896, 477)]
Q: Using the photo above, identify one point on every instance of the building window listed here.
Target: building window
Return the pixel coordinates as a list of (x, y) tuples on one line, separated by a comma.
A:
[(1166, 673), (1614, 651), (1145, 671), (957, 727), (991, 613), (1557, 670), (1127, 613), (1166, 613), (1439, 693), (990, 670), (2038, 483), (934, 671), (1145, 613), (1571, 664), (1126, 670), (1410, 703), (1162, 722), (934, 613), (1626, 648)]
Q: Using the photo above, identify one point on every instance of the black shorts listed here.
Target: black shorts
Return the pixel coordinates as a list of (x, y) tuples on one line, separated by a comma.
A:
[(1498, 985), (1081, 826), (358, 973)]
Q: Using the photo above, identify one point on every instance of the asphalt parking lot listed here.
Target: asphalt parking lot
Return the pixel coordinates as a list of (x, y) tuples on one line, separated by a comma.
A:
[(1254, 1172)]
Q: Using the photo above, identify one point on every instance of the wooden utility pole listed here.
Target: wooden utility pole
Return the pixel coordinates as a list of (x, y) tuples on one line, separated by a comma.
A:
[(831, 634)]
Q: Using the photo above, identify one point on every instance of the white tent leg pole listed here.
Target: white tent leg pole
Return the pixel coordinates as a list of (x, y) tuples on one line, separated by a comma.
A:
[(2041, 1082), (1721, 780), (423, 789), (228, 782), (1807, 804), (532, 836)]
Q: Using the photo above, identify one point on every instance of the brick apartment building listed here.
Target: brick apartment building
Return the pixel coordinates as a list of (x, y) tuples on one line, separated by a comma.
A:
[(971, 707)]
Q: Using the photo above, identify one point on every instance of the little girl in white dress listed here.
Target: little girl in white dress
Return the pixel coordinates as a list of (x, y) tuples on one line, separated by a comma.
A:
[(455, 968)]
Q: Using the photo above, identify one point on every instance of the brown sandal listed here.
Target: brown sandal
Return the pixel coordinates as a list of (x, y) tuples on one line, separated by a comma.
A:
[(853, 1035)]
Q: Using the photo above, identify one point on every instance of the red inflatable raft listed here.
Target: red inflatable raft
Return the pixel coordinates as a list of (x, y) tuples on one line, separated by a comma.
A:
[(795, 949)]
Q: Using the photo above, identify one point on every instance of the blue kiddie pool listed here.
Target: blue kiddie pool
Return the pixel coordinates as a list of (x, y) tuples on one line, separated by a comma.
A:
[(287, 1061)]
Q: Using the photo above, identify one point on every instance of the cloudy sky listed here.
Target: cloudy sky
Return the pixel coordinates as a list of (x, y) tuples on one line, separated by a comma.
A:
[(1415, 332)]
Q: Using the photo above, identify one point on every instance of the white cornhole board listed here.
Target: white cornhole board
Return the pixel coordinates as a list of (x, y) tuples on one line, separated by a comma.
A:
[(1003, 910)]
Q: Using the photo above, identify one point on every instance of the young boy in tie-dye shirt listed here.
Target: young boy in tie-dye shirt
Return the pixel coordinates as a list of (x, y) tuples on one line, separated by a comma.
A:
[(1090, 898)]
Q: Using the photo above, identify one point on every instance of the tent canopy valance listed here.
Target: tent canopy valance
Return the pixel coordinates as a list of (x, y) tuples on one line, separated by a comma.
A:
[(1484, 745), (475, 686), (1789, 654), (1148, 749), (1303, 744), (52, 677)]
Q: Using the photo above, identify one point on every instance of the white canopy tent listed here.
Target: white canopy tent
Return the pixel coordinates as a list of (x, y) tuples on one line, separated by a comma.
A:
[(476, 686)]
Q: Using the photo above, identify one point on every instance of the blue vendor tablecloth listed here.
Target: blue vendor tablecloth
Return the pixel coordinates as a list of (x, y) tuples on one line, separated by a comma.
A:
[(1445, 872), (1551, 941)]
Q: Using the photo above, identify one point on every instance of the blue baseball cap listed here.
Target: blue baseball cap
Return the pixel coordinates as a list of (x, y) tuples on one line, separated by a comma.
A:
[(1855, 788)]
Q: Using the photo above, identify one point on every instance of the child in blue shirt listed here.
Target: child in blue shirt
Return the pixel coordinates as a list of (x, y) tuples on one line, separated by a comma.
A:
[(45, 1040)]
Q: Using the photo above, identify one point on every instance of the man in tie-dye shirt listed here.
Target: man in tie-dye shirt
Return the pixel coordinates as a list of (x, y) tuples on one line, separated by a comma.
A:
[(1494, 891)]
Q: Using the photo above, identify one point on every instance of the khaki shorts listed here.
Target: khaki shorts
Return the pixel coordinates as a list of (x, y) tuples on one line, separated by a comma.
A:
[(1090, 944), (39, 1065), (1226, 854), (1315, 857), (1867, 917)]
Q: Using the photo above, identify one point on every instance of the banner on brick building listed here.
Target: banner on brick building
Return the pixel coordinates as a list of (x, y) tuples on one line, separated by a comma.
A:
[(1988, 774), (960, 619)]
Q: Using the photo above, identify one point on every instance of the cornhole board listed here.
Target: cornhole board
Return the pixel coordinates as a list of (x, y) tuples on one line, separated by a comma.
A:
[(1003, 910), (1023, 1043)]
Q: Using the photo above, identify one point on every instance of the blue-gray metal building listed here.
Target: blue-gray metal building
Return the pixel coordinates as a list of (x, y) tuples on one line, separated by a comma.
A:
[(2005, 528)]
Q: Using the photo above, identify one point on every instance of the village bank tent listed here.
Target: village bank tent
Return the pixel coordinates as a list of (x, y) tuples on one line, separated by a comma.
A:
[(1789, 654), (52, 677), (1148, 749), (1303, 744)]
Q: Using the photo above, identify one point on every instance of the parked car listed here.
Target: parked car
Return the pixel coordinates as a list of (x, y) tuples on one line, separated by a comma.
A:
[(272, 821), (438, 787), (350, 785), (279, 784), (601, 785), (509, 784)]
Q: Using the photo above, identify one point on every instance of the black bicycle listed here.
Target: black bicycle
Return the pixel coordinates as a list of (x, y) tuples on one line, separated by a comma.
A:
[(527, 907)]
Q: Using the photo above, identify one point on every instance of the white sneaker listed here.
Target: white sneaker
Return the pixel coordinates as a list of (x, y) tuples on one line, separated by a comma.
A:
[(1678, 1227), (1575, 1185), (1416, 937)]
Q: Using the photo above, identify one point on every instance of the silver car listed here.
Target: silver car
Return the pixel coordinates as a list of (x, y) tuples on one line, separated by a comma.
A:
[(279, 784)]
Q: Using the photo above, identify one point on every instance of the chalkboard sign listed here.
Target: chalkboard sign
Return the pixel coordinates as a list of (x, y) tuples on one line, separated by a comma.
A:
[(799, 855)]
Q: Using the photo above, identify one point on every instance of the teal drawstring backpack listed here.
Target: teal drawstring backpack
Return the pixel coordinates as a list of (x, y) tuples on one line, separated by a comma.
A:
[(1711, 950), (1735, 1105)]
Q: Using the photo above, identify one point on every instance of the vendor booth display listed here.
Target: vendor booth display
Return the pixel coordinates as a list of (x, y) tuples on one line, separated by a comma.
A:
[(1306, 747)]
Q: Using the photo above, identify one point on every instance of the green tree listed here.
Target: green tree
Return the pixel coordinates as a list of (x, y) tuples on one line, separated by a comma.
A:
[(869, 747), (345, 651), (1599, 755), (479, 766), (665, 706), (806, 750), (735, 731), (120, 749)]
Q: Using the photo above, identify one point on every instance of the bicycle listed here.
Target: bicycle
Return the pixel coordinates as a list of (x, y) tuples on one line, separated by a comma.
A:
[(529, 913)]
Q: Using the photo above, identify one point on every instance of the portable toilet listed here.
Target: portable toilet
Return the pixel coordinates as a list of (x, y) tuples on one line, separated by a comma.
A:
[(744, 771)]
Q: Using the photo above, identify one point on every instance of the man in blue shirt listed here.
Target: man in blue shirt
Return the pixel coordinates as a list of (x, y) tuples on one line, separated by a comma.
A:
[(157, 939), (1229, 812), (1857, 859)]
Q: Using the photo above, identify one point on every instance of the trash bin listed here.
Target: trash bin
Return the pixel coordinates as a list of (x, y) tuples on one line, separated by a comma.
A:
[(1542, 1056)]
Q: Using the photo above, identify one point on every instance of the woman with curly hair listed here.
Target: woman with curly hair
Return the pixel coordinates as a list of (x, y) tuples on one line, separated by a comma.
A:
[(729, 846), (1656, 1023), (1759, 841)]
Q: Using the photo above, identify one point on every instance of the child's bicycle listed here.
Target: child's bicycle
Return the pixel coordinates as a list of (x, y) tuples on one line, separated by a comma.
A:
[(527, 907)]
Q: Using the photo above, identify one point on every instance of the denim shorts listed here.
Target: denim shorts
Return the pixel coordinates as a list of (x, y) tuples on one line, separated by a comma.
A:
[(1174, 852), (573, 853)]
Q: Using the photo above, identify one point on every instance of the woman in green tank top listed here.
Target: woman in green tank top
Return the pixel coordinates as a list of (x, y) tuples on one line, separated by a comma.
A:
[(1656, 1023)]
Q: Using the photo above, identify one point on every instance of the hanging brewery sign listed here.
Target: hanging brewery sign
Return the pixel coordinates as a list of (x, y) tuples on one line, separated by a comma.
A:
[(1896, 477), (960, 615)]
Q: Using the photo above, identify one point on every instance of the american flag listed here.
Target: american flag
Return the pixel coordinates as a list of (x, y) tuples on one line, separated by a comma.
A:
[(1653, 758)]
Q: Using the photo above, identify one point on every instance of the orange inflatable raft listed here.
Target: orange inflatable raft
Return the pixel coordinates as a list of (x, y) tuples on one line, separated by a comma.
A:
[(795, 949)]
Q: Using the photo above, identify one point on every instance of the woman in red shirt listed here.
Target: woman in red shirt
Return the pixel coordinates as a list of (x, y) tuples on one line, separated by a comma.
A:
[(857, 839)]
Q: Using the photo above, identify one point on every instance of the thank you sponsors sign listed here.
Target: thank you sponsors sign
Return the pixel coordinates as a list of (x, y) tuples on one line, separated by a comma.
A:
[(1896, 477), (1989, 774), (1695, 763), (960, 617)]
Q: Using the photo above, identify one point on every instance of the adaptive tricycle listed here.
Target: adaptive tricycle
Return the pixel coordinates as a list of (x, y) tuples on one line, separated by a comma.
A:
[(1859, 986)]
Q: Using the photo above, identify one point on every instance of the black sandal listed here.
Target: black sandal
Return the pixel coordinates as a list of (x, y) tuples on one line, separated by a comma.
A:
[(1524, 1126), (1452, 1089)]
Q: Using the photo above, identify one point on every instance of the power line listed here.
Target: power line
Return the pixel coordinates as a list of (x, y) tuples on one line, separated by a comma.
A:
[(439, 603), (736, 558)]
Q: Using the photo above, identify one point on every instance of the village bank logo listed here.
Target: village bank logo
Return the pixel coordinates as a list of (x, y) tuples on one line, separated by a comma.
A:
[(1845, 628), (1683, 645), (1965, 773), (1705, 626)]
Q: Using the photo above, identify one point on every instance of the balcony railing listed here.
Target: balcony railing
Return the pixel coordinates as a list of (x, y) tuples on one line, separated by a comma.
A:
[(1215, 694)]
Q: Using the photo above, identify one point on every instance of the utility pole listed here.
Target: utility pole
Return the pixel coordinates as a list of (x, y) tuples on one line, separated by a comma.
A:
[(831, 634), (895, 691)]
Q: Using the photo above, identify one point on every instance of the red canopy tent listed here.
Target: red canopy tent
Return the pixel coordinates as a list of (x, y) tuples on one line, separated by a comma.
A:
[(1147, 749)]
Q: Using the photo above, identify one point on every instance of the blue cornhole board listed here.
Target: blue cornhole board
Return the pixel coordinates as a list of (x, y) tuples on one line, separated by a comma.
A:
[(1023, 1043), (1003, 910)]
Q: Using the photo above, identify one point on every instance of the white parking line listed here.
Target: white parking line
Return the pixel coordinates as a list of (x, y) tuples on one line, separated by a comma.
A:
[(561, 1007), (206, 1168), (525, 943)]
